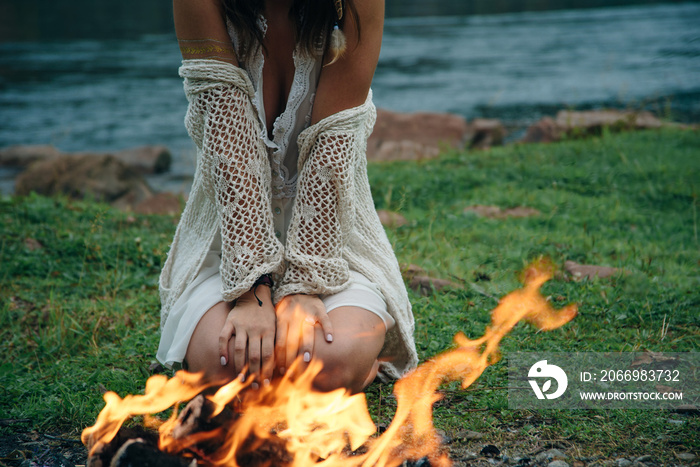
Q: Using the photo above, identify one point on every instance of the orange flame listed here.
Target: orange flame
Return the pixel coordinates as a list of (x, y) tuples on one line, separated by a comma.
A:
[(317, 428)]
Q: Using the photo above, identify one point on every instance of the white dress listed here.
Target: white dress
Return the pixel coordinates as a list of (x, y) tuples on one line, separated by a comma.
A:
[(205, 290)]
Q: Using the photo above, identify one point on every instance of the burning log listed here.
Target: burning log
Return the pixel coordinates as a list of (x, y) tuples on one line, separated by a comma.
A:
[(138, 453), (289, 424), (103, 454)]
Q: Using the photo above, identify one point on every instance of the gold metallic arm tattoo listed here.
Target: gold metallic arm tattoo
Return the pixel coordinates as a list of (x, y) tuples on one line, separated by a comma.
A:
[(206, 48)]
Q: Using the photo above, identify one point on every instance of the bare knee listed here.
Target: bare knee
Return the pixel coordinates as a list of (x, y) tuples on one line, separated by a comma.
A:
[(203, 350), (339, 374), (350, 361)]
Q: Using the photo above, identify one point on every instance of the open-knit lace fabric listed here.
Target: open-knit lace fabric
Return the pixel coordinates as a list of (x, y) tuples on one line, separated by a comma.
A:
[(323, 214), (296, 115), (334, 227), (233, 176)]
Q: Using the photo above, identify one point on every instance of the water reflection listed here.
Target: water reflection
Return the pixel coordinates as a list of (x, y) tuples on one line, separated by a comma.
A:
[(46, 20), (402, 8), (120, 88)]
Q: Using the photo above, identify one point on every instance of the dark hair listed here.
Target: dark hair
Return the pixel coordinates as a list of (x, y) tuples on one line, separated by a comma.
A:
[(314, 20)]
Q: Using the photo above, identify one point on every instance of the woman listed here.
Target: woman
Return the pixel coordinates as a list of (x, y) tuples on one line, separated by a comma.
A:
[(279, 253)]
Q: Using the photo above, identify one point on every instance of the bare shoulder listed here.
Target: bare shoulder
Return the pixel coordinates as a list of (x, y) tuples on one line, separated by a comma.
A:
[(345, 83), (371, 12), (364, 36), (201, 31)]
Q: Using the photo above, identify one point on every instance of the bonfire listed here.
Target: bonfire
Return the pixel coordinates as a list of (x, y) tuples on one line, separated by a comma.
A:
[(288, 423)]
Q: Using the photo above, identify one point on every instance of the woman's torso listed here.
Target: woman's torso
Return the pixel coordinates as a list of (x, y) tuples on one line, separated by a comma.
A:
[(280, 132)]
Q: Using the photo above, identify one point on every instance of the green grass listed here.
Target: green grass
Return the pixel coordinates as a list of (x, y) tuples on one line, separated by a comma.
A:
[(80, 313)]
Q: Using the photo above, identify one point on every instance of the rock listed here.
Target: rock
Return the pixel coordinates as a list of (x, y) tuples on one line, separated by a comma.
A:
[(558, 464), (143, 159), (544, 131), (486, 133), (467, 435), (622, 462), (160, 203), (156, 368), (32, 244), (412, 270), (423, 134), (483, 211), (421, 282), (426, 284), (496, 212), (490, 451), (593, 121), (146, 159), (443, 437), (686, 456), (23, 156), (687, 409), (391, 219), (590, 122), (654, 358), (78, 176), (581, 271), (550, 455), (404, 151), (646, 458)]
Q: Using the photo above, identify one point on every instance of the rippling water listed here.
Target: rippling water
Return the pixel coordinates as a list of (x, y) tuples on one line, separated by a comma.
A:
[(100, 95)]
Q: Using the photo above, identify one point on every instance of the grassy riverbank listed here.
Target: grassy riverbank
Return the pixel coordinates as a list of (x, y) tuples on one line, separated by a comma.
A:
[(79, 305)]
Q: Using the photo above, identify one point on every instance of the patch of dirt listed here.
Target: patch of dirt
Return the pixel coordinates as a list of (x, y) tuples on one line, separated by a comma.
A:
[(41, 449), (496, 212)]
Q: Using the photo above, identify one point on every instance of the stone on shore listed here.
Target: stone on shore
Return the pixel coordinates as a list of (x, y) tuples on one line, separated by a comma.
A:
[(486, 132), (544, 131), (403, 136), (403, 151), (142, 159), (146, 159), (160, 203), (103, 177), (23, 156), (590, 122)]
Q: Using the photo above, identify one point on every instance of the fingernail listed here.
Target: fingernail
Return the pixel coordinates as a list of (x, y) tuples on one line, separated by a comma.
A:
[(329, 337), (255, 386), (266, 382), (307, 357), (223, 361), (282, 370), (241, 376)]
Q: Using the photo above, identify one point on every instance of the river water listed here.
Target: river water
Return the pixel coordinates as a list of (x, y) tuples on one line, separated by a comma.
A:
[(100, 94)]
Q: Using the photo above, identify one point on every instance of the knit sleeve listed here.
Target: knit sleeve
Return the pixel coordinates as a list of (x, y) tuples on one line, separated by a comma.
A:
[(235, 162), (324, 208)]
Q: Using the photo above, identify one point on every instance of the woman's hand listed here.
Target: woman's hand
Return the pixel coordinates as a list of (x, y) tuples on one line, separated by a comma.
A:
[(297, 317), (250, 328)]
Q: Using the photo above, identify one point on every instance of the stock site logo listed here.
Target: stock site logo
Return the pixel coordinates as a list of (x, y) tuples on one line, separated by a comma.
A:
[(542, 369)]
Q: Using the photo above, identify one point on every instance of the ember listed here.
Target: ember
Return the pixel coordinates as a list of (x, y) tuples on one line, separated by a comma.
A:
[(288, 423)]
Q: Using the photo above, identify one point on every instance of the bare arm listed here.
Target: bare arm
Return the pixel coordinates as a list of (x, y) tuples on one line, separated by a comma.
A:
[(324, 208), (224, 125), (200, 26), (345, 83)]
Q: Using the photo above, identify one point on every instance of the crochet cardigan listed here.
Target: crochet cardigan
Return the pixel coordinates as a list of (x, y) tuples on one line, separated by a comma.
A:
[(334, 226)]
